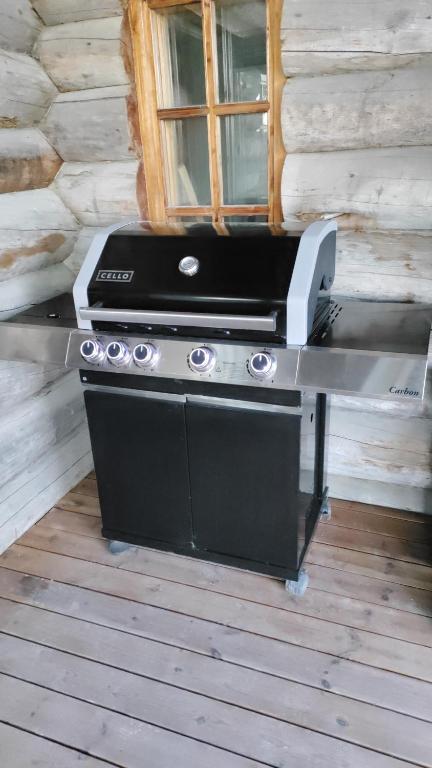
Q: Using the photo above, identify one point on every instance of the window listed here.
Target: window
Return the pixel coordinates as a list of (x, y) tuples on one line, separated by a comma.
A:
[(209, 85)]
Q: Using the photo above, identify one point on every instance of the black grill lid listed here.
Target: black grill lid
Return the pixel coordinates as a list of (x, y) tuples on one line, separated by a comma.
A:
[(244, 272)]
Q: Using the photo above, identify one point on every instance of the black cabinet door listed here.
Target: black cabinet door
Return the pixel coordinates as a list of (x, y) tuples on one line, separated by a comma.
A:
[(140, 455), (244, 474)]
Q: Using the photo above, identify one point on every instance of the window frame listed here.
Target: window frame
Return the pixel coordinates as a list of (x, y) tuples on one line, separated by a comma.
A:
[(150, 115)]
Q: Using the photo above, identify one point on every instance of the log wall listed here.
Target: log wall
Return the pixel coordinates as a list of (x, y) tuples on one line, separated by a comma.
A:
[(68, 163), (357, 125)]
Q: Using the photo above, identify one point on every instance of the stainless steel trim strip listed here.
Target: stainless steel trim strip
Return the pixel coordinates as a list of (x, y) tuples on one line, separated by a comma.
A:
[(199, 399), (244, 404), (169, 396), (239, 322)]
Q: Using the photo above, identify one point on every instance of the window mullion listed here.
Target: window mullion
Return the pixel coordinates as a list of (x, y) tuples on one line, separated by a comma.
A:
[(212, 120), (276, 82), (145, 76)]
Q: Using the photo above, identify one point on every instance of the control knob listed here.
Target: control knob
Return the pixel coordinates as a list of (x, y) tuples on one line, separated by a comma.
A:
[(118, 353), (202, 359), (145, 355), (262, 365), (92, 351)]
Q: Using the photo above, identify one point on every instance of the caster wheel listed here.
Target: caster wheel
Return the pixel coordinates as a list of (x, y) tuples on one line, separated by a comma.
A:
[(298, 587), (326, 511), (117, 547)]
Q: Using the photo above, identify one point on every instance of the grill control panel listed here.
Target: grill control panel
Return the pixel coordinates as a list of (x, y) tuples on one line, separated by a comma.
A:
[(179, 358)]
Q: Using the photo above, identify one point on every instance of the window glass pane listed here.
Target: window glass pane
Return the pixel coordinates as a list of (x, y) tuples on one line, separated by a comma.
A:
[(178, 39), (241, 47), (244, 159), (186, 160)]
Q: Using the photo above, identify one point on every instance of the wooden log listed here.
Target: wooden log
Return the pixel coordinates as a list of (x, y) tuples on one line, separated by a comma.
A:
[(386, 266), (21, 292), (363, 189), (60, 12), (26, 91), (381, 493), (80, 249), (390, 26), (99, 194), (377, 446), (83, 54), (91, 125), (19, 26), (400, 409), (36, 230), (359, 109), (27, 161), (62, 465), (30, 431), (331, 63), (19, 381)]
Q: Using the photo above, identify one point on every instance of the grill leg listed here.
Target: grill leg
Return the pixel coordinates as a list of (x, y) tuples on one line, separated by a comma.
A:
[(326, 510), (117, 547), (298, 587)]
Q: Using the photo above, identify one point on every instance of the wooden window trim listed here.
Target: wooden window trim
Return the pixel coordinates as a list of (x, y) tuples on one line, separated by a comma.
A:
[(150, 116)]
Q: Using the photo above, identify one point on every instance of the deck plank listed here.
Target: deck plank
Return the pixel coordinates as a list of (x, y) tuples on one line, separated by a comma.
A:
[(281, 660), (375, 544), (207, 665), (19, 749), (78, 502), (374, 509), (317, 634), (376, 566), (222, 578), (360, 519), (316, 603), (87, 486), (272, 740), (121, 740)]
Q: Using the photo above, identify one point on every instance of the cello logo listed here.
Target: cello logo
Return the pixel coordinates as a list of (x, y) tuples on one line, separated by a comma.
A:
[(115, 275), (407, 392)]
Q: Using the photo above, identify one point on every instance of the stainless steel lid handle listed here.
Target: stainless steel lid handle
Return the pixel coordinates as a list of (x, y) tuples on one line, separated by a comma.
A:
[(231, 322)]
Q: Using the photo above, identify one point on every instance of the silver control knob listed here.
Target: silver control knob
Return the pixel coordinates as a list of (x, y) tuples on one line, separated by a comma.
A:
[(202, 359), (118, 353), (145, 355), (92, 351), (262, 365)]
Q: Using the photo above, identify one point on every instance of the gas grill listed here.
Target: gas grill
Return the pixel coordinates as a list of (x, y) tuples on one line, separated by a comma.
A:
[(206, 355)]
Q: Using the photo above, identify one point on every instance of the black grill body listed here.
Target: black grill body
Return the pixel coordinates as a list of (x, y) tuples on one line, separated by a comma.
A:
[(218, 480), (224, 463)]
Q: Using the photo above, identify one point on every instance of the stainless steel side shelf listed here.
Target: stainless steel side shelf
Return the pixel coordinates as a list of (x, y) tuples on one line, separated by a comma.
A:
[(371, 349), (40, 334)]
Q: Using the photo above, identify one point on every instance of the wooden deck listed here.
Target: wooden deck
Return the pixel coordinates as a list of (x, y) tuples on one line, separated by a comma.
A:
[(151, 660)]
